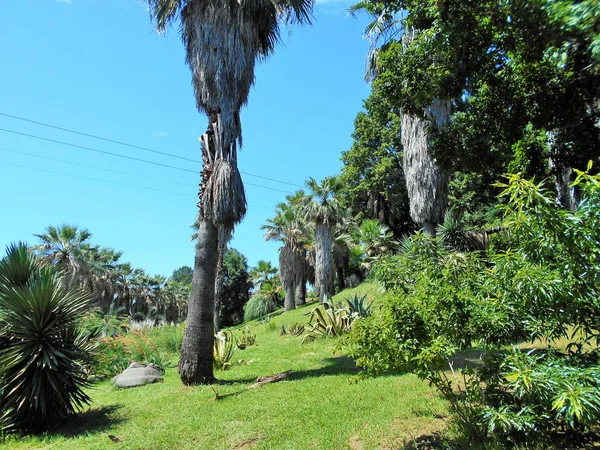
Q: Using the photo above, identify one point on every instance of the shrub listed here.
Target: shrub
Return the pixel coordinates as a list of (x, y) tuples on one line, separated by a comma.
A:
[(258, 306), (544, 285), (117, 353), (113, 323), (44, 349)]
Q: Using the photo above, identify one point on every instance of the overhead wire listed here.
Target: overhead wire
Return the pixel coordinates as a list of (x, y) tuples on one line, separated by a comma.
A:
[(126, 157), (106, 181), (139, 147), (113, 170)]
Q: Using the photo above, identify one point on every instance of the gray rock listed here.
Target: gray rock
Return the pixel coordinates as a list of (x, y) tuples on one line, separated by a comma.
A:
[(138, 374)]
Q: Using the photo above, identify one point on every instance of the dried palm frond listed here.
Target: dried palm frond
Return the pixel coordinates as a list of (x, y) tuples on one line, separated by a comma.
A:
[(223, 198)]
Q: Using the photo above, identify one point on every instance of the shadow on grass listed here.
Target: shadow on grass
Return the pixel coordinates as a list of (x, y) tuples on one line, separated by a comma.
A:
[(91, 421), (333, 366)]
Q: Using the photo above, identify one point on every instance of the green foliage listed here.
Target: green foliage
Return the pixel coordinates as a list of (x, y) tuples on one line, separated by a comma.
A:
[(296, 329), (328, 320), (111, 324), (259, 305), (183, 275), (114, 356), (372, 170), (543, 287), (271, 325), (359, 306), (223, 349), (44, 351), (236, 288), (267, 283), (517, 398), (116, 353)]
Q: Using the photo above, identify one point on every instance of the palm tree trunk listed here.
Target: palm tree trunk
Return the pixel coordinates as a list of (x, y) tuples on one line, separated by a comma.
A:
[(218, 287), (340, 279), (196, 360), (289, 302), (429, 228), (300, 294), (300, 277), (323, 262)]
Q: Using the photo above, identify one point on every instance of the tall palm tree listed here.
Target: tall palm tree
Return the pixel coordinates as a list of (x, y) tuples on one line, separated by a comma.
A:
[(426, 179), (287, 227), (324, 209), (223, 40)]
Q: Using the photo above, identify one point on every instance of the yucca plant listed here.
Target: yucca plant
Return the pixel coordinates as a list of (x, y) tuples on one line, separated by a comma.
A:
[(43, 347), (223, 349)]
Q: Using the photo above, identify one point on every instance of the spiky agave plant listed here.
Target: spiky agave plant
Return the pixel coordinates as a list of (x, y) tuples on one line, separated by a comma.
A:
[(43, 348)]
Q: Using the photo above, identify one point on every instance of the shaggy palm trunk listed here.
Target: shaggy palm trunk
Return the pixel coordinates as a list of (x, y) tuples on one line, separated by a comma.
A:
[(300, 294), (426, 180), (340, 279), (218, 287), (287, 263), (324, 270), (196, 359), (300, 275)]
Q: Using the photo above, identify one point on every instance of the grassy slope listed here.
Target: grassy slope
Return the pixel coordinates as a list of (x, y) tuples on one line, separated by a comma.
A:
[(318, 407)]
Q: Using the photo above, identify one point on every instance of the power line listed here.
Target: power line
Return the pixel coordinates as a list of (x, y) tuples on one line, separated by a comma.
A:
[(115, 171), (93, 167), (139, 147), (125, 156), (105, 181)]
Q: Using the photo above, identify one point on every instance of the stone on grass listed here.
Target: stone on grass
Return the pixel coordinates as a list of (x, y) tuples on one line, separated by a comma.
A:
[(138, 374)]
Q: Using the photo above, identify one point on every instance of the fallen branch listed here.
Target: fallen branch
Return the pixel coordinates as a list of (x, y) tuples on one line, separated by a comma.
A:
[(270, 379)]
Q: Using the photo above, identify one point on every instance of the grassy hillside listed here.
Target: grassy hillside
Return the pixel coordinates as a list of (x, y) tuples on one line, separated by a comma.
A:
[(320, 406)]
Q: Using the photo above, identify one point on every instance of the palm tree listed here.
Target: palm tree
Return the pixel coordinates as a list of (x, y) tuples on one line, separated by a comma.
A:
[(222, 40), (68, 249), (324, 209), (426, 179), (288, 228)]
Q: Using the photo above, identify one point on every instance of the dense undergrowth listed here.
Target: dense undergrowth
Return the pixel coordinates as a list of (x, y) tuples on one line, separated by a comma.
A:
[(539, 282)]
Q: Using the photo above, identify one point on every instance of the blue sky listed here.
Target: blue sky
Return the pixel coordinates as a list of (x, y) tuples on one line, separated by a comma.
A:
[(98, 67)]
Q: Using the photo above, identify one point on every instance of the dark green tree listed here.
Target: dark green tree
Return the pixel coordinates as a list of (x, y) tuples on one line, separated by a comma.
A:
[(515, 71), (372, 171), (236, 288), (183, 275)]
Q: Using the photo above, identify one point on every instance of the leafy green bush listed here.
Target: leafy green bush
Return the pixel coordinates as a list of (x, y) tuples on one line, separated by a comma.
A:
[(518, 398), (259, 305), (543, 286), (118, 352), (113, 323), (44, 350)]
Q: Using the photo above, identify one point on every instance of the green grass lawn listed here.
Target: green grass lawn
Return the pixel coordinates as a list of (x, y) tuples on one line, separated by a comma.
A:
[(320, 406)]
